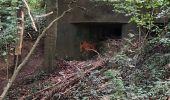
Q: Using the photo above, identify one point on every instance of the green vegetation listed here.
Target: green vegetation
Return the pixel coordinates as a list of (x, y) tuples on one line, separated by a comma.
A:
[(8, 22), (145, 71), (139, 71), (130, 75)]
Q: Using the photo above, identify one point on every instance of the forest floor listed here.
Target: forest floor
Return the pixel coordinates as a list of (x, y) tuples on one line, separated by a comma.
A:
[(30, 81), (71, 79), (34, 63)]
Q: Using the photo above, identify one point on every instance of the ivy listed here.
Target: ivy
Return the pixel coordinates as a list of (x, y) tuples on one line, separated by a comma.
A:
[(8, 20)]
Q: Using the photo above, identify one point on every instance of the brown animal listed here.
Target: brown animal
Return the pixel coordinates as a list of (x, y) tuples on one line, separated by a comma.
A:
[(86, 46)]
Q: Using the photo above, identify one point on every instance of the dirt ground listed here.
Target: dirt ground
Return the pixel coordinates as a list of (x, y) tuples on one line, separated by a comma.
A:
[(24, 83), (34, 63)]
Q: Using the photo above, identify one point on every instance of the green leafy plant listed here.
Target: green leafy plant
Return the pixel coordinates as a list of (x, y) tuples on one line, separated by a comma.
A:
[(115, 80), (8, 22), (7, 25)]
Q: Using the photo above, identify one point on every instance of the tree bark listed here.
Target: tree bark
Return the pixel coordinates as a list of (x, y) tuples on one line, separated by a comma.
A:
[(50, 38), (20, 32)]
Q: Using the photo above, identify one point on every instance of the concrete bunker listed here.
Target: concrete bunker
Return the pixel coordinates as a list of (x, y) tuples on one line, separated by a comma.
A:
[(96, 23)]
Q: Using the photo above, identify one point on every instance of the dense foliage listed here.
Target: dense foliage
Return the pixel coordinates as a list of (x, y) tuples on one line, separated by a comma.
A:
[(8, 22), (144, 71), (130, 75), (140, 71), (146, 14)]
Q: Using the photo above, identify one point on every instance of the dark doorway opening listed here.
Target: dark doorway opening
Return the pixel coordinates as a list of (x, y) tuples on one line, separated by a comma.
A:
[(93, 33), (96, 32)]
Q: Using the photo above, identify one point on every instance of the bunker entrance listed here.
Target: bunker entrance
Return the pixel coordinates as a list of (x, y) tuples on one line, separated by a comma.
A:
[(92, 36)]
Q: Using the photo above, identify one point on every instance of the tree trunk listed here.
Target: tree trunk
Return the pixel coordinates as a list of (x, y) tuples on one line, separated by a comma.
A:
[(20, 32), (50, 38)]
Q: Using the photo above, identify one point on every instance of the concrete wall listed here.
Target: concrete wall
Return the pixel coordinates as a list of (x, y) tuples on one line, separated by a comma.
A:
[(69, 35)]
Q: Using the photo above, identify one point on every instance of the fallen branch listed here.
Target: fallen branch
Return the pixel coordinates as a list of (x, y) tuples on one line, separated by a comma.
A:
[(29, 55), (62, 86), (46, 89)]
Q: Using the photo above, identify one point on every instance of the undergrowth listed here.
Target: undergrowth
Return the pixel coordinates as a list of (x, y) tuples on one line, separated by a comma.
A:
[(129, 75)]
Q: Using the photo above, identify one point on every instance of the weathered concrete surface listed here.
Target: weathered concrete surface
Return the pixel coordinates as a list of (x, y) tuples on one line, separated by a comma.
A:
[(71, 31)]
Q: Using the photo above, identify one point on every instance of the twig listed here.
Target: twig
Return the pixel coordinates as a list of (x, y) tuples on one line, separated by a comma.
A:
[(48, 88), (61, 86), (44, 15), (7, 62), (95, 52), (29, 55), (29, 13)]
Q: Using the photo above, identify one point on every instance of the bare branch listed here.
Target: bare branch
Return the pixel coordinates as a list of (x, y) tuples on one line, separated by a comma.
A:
[(44, 15), (29, 13), (95, 52)]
